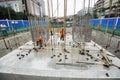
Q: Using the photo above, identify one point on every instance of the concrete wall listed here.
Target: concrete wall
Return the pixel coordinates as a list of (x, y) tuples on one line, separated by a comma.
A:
[(15, 41), (104, 39)]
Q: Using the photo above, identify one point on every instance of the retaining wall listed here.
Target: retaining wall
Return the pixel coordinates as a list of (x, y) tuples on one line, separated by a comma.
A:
[(104, 39), (15, 41)]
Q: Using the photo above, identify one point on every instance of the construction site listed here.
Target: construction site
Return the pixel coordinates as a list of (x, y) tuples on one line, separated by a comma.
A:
[(53, 50)]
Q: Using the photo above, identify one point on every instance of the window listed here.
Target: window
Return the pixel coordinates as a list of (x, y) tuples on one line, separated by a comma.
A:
[(23, 2), (15, 5), (10, 5)]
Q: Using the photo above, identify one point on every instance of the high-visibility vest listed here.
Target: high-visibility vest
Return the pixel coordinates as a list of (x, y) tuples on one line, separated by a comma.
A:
[(62, 32), (40, 39), (98, 26), (51, 29)]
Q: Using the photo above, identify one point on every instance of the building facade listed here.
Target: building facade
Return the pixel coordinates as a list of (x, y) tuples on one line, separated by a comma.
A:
[(16, 5), (102, 8), (98, 7), (32, 7), (42, 7), (82, 12)]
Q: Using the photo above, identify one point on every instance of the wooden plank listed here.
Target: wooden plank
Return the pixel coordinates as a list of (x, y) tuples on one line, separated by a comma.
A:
[(91, 63), (62, 63)]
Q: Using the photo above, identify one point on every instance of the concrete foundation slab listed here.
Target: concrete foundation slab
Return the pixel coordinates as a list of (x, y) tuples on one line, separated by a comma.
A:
[(25, 63)]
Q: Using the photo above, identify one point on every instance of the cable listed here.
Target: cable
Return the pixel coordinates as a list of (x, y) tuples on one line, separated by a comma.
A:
[(65, 14), (52, 23), (16, 43), (110, 8), (73, 26), (113, 28), (9, 16)]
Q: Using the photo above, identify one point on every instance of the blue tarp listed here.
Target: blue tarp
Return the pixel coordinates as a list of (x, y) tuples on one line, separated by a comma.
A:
[(20, 24), (16, 24), (106, 22)]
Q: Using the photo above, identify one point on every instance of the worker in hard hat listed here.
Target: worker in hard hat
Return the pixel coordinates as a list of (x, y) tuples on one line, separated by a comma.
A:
[(62, 34), (40, 41), (51, 30)]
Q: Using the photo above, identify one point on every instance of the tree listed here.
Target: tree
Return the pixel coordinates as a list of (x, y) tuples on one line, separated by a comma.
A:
[(14, 15), (3, 13), (95, 14), (21, 15)]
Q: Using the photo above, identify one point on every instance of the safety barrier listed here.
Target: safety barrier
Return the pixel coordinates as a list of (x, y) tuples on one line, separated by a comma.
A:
[(15, 24), (107, 25)]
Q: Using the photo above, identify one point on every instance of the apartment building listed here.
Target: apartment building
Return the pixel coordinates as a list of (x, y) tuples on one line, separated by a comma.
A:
[(102, 8), (33, 7), (82, 12)]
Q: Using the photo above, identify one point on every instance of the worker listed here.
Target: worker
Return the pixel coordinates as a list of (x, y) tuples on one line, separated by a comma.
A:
[(62, 34), (51, 30), (39, 41), (3, 29), (39, 30), (98, 26)]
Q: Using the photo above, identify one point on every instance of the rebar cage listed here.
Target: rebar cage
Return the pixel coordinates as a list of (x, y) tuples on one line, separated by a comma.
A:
[(82, 32), (39, 28)]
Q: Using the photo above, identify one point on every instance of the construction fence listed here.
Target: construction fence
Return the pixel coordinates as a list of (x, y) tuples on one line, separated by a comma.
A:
[(107, 25), (16, 26)]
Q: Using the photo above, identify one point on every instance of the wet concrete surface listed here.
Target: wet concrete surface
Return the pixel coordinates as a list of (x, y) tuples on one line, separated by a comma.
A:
[(42, 65)]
